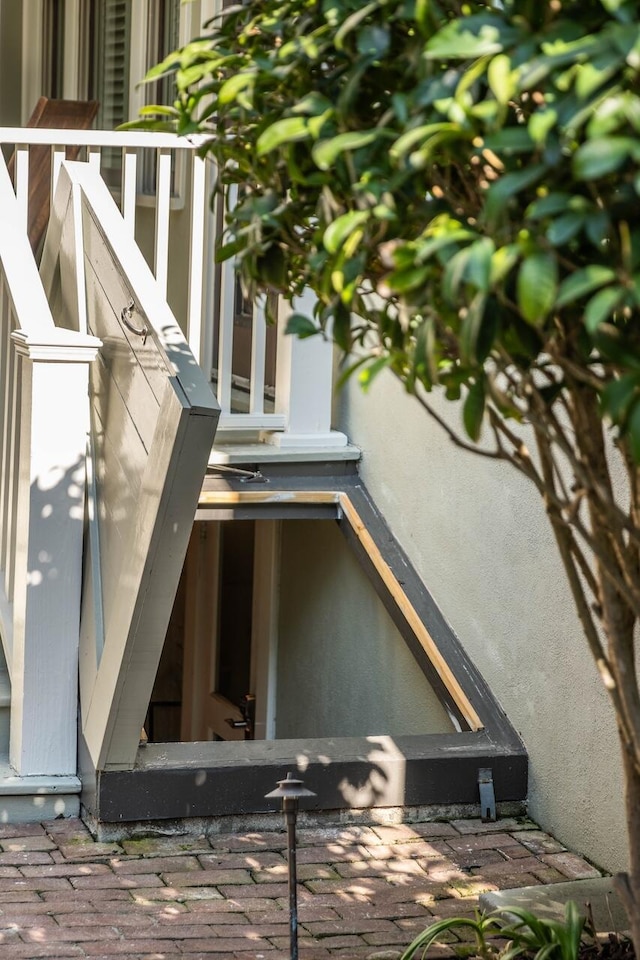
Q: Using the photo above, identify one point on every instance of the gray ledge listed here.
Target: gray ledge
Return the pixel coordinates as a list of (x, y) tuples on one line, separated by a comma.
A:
[(549, 901)]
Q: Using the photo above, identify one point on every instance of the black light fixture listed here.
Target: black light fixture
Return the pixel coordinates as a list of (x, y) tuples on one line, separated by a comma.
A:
[(290, 790)]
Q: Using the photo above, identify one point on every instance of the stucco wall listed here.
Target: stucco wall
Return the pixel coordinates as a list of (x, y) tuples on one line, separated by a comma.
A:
[(478, 535), (343, 668)]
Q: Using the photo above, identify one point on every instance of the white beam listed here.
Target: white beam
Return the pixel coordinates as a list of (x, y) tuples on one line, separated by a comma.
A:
[(53, 433)]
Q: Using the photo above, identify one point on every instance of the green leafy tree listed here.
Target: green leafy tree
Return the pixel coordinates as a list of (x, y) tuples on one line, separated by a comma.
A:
[(459, 184)]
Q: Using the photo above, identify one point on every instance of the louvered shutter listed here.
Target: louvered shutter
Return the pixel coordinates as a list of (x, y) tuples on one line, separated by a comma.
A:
[(112, 40)]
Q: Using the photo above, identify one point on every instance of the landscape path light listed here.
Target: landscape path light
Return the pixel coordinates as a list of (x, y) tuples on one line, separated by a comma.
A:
[(290, 790)]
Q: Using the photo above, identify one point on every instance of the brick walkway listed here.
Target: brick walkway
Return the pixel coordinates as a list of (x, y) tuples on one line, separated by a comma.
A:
[(364, 891)]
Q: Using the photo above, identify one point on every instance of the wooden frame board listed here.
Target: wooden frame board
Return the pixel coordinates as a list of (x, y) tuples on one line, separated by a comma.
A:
[(154, 420)]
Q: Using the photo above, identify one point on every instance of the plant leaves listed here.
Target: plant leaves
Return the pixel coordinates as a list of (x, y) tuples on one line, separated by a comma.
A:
[(289, 130), (473, 410), (601, 306), (338, 231), (326, 152), (582, 282), (536, 287), (601, 156), (633, 431), (301, 326), (508, 186)]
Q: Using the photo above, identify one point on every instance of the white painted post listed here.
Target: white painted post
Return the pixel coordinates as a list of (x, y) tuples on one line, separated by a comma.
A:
[(304, 386), (53, 434)]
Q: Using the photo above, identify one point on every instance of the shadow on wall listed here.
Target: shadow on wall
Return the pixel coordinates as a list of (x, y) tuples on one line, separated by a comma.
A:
[(40, 621), (375, 778)]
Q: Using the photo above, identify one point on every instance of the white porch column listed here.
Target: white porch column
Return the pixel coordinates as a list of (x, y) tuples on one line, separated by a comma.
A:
[(304, 385), (54, 422)]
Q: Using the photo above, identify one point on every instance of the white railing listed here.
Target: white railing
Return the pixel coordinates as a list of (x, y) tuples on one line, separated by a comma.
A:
[(43, 434), (162, 187)]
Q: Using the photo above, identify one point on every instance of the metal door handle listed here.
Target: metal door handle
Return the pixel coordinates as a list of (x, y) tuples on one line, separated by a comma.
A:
[(125, 315), (238, 724), (248, 709)]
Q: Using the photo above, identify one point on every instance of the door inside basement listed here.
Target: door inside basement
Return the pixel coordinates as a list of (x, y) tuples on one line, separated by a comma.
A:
[(277, 633)]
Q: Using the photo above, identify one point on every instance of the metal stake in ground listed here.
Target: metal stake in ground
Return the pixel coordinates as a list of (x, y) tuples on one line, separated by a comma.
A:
[(290, 790)]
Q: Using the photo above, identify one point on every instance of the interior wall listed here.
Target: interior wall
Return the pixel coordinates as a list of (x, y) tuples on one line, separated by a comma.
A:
[(343, 667), (477, 533)]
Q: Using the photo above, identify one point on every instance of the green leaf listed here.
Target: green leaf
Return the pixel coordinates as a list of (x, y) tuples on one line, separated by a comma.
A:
[(470, 37), (373, 41), (508, 186), (547, 206), (229, 250), (633, 431), (563, 229), (503, 261), (541, 123), (424, 356), (232, 87), (289, 130), (326, 152), (470, 329), (337, 231), (426, 247), (536, 287), (510, 141), (402, 281), (601, 156), (301, 326), (597, 227), (352, 22), (158, 110), (409, 139), (617, 396), (582, 282), (313, 104), (501, 80), (478, 269), (473, 410), (601, 306), (371, 371), (454, 274)]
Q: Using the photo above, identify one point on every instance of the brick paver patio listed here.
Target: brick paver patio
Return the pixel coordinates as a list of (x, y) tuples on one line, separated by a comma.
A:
[(365, 891)]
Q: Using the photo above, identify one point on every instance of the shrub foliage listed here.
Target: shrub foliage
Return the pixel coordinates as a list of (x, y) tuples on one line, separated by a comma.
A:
[(459, 184)]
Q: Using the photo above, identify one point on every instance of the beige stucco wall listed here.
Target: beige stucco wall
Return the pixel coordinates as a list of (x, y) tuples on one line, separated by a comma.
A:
[(478, 535), (343, 668)]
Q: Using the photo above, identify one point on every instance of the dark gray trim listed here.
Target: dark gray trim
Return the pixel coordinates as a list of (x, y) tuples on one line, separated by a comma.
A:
[(176, 781), (186, 780), (469, 678)]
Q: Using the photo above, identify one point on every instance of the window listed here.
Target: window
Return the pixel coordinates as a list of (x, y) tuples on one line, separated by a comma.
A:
[(162, 36), (110, 45), (125, 41)]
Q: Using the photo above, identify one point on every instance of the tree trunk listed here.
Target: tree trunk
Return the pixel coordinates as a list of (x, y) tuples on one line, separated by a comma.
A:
[(628, 884)]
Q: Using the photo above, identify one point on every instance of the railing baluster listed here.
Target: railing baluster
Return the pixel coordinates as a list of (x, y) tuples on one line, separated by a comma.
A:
[(12, 499), (129, 186), (199, 312), (5, 420), (225, 325), (163, 209), (196, 257), (94, 156), (258, 356), (58, 156), (22, 183)]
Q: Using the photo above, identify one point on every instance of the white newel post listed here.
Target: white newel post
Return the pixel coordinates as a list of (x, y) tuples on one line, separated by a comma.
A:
[(304, 385), (54, 421)]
